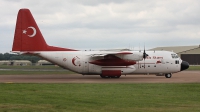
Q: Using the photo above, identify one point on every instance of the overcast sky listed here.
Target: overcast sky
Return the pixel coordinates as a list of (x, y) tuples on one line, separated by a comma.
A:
[(106, 24)]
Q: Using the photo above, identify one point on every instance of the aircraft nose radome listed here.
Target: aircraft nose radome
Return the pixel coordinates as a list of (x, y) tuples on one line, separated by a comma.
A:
[(184, 65)]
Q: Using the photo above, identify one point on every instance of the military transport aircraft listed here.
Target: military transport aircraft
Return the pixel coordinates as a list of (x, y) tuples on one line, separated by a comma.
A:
[(108, 64)]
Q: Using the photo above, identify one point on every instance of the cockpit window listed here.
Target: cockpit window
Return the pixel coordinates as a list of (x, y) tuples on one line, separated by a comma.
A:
[(174, 55)]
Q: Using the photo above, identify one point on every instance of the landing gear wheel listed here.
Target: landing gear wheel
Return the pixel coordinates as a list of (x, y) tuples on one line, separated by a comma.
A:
[(115, 76), (104, 76), (169, 75)]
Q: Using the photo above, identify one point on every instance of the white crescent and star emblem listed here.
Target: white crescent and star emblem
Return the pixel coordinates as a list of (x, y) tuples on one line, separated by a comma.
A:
[(34, 31)]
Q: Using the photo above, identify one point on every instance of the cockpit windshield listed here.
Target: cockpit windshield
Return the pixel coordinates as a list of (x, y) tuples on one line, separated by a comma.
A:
[(174, 55)]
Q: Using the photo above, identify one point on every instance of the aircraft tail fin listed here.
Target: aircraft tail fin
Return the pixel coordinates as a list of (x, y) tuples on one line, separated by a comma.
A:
[(28, 37)]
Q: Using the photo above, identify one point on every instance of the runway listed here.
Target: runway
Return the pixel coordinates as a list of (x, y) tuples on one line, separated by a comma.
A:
[(181, 77)]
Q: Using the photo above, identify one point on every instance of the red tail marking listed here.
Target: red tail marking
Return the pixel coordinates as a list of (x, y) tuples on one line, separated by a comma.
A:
[(28, 36)]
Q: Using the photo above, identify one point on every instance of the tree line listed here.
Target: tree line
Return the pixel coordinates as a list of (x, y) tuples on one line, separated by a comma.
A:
[(8, 56)]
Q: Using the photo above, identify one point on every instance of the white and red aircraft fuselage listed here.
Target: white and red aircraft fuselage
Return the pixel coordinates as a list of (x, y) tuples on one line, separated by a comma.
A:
[(29, 40)]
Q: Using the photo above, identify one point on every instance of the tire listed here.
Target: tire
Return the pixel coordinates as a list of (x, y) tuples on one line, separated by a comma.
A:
[(104, 76), (169, 75), (109, 76), (115, 76)]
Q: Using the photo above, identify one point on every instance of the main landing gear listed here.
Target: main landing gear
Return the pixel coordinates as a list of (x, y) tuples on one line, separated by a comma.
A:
[(168, 75), (102, 76)]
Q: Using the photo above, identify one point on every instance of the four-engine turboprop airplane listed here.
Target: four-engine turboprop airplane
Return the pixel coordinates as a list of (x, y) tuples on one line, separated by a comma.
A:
[(108, 64)]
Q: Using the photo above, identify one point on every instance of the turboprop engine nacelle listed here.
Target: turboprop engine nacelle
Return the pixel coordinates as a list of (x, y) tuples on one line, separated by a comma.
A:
[(134, 57)]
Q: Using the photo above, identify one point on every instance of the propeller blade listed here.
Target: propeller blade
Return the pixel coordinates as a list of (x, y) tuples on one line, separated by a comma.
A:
[(144, 55)]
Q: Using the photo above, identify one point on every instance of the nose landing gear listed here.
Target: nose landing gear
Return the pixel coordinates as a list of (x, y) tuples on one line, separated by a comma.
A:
[(168, 75)]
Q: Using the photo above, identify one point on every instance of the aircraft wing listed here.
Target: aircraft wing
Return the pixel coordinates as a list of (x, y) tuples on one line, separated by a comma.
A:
[(104, 53)]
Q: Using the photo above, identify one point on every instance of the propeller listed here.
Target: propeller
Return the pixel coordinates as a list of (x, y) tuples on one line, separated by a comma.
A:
[(144, 56)]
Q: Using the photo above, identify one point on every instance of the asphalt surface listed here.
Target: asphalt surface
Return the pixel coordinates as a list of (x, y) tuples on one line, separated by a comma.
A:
[(181, 77)]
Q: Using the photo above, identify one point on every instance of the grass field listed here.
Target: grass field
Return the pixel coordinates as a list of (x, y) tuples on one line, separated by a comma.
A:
[(31, 67), (39, 72), (194, 68), (95, 97), (16, 70), (100, 97)]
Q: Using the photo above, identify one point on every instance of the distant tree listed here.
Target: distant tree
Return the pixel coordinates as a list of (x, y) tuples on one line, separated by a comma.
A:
[(7, 56), (1, 56), (15, 58)]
